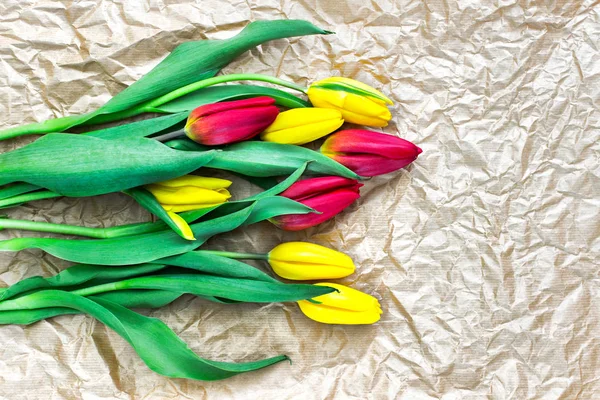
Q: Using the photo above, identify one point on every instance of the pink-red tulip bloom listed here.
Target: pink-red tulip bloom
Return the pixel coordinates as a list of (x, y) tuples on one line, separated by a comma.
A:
[(230, 121), (328, 195), (370, 153)]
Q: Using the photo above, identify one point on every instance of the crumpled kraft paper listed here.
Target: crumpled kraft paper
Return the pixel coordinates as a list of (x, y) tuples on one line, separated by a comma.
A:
[(484, 253)]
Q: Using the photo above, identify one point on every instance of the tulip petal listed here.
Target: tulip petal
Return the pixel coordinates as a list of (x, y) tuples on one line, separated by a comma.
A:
[(310, 187), (370, 142), (185, 229), (354, 108), (309, 261), (347, 298), (345, 306), (179, 208), (198, 181), (188, 195), (214, 108), (333, 315), (302, 125), (371, 165), (231, 126), (328, 204), (338, 83), (370, 153)]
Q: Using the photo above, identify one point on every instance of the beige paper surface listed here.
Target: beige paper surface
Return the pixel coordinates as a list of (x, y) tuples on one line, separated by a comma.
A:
[(484, 253)]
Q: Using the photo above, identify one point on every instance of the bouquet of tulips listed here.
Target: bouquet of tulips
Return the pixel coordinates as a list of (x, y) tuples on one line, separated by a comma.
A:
[(255, 132)]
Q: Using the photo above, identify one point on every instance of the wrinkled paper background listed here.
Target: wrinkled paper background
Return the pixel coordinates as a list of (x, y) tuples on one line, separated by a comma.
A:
[(484, 253)]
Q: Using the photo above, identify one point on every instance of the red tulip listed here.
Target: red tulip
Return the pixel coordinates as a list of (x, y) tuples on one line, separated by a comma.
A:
[(329, 195), (370, 153), (231, 121)]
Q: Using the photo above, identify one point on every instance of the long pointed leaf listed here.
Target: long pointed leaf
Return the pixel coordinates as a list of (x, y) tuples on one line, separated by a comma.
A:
[(143, 128), (246, 290), (194, 61), (216, 265), (156, 344), (149, 202), (74, 165), (125, 298), (148, 247), (214, 94), (77, 275)]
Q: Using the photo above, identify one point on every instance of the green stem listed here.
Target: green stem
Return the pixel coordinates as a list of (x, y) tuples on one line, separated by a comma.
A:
[(51, 125), (151, 106), (17, 189), (237, 256), (170, 136), (94, 233), (24, 198), (53, 228), (64, 123), (106, 287)]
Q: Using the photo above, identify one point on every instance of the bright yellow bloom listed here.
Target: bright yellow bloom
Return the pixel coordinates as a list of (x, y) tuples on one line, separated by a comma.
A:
[(309, 261), (186, 231), (302, 125), (190, 192), (347, 306), (359, 103)]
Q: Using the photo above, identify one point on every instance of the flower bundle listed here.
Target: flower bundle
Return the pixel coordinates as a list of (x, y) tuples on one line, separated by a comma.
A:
[(237, 128)]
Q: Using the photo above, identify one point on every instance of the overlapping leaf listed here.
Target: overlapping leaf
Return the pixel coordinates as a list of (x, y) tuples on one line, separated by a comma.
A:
[(143, 248), (75, 165), (156, 344), (188, 63), (265, 159)]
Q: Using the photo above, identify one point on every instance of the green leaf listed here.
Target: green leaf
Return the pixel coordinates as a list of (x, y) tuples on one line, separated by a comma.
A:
[(26, 317), (215, 94), (81, 274), (188, 63), (147, 247), (283, 185), (17, 189), (216, 265), (263, 159), (142, 128), (149, 202), (350, 88), (77, 275), (194, 61), (75, 165), (156, 344), (135, 129), (125, 298), (264, 183), (186, 145), (246, 290)]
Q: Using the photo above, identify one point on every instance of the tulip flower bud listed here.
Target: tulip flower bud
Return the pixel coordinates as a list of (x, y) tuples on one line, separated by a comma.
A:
[(230, 121), (302, 125), (190, 192), (328, 195), (369, 153), (359, 103), (309, 261), (347, 306), (186, 231)]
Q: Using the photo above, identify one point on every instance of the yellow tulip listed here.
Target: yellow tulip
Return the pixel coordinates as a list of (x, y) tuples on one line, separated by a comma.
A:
[(347, 306), (302, 125), (309, 261), (190, 192), (186, 231), (359, 103)]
